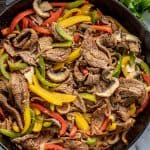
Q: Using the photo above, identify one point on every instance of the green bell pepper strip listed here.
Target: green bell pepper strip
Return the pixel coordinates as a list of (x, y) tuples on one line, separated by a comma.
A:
[(87, 96), (117, 70), (63, 44), (10, 134), (47, 124), (32, 121), (52, 107), (91, 141), (63, 33), (18, 28), (16, 66), (42, 66), (43, 81), (145, 67), (38, 124), (3, 58), (74, 4), (94, 16)]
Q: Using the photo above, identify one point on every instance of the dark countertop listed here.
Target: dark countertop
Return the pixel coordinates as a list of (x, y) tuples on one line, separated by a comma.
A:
[(143, 143)]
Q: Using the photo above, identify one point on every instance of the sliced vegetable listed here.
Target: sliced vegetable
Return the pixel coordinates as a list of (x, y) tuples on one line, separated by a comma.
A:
[(38, 124), (3, 58), (73, 132), (15, 127), (49, 146), (27, 119), (75, 4), (74, 20), (117, 70), (87, 96), (52, 107), (44, 81), (76, 37), (25, 23), (81, 123), (16, 66), (52, 114), (145, 67), (9, 133), (72, 57), (18, 28), (104, 125), (62, 44), (53, 17), (125, 61), (58, 4), (95, 16), (112, 126), (5, 31), (47, 124), (19, 17), (85, 71), (132, 110), (42, 66), (91, 140), (102, 28), (63, 33), (1, 51), (51, 97), (85, 9), (146, 78)]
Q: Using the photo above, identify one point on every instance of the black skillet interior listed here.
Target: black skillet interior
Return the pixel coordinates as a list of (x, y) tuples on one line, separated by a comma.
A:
[(118, 11)]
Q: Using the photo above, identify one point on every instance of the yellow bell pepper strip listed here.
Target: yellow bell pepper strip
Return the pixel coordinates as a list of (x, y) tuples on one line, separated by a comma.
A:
[(54, 115), (63, 33), (47, 124), (85, 9), (42, 66), (125, 61), (44, 81), (38, 124), (94, 16), (117, 70), (1, 51), (74, 4), (112, 126), (87, 117), (91, 140), (15, 127), (72, 57), (62, 44), (69, 13), (145, 67), (51, 97), (81, 123), (16, 66), (27, 119), (74, 20), (52, 107), (37, 112), (3, 58), (87, 96), (132, 110), (9, 133)]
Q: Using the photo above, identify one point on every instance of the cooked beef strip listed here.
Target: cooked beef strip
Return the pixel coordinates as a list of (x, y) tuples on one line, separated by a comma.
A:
[(75, 145), (26, 39), (92, 79), (6, 124), (20, 90), (11, 110), (3, 86), (57, 54)]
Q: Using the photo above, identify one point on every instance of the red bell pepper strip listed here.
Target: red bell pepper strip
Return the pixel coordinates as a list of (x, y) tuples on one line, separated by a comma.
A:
[(25, 23), (102, 28), (5, 31), (59, 4), (53, 17), (85, 72), (104, 125), (99, 12), (76, 37), (2, 113), (39, 29), (49, 146), (144, 105), (19, 17), (73, 132), (146, 78), (52, 114)]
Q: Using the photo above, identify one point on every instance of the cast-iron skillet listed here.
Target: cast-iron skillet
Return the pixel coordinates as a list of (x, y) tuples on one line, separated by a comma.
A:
[(124, 16)]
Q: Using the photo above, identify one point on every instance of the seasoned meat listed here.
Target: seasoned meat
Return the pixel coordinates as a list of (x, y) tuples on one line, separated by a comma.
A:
[(92, 79), (75, 145), (26, 39), (27, 57), (7, 123), (12, 111), (3, 86), (94, 56), (45, 43), (19, 90), (57, 54), (132, 89)]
